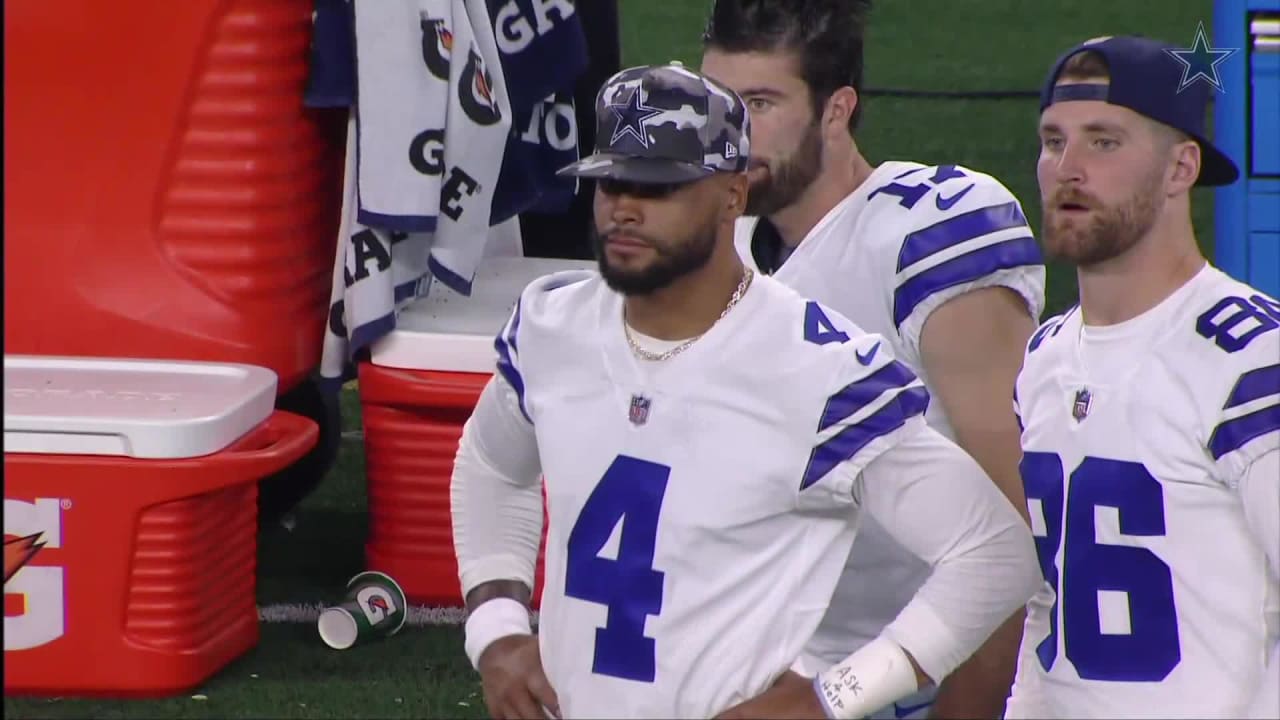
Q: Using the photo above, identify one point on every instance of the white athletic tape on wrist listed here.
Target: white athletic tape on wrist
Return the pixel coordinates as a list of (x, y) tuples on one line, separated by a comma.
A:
[(873, 677), (494, 619)]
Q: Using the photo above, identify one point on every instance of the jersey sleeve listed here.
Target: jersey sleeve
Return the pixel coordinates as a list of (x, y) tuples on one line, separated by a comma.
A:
[(507, 347), (968, 234), (495, 499), (872, 404), (1260, 498), (1048, 328), (938, 504), (1246, 425), (511, 338)]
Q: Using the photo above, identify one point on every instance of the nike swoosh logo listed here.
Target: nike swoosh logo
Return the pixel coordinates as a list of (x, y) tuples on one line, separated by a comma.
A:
[(869, 356), (902, 711), (946, 203)]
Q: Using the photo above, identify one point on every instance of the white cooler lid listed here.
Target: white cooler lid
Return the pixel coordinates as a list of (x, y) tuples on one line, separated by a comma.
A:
[(134, 408), (451, 332)]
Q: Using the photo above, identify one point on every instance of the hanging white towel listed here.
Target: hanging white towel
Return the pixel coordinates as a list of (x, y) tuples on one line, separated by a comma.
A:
[(376, 272), (424, 151), (476, 129), (401, 108)]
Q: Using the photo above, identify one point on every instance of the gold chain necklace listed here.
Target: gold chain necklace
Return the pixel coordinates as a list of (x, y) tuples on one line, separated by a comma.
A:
[(643, 354)]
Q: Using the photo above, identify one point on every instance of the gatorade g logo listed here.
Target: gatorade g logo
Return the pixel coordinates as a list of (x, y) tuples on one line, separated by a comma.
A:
[(18, 551), (437, 46), (475, 91), (36, 591), (376, 604)]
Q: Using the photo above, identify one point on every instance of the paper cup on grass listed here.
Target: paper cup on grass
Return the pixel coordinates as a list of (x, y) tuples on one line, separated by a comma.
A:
[(373, 609)]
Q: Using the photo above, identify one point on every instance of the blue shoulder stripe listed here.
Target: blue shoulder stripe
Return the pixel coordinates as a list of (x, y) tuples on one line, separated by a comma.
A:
[(1257, 383), (849, 441), (505, 345), (514, 327), (957, 229), (1231, 435), (1053, 324), (1008, 254), (857, 394)]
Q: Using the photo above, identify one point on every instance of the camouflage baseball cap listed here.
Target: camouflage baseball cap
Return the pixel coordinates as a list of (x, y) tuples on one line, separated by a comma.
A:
[(666, 124)]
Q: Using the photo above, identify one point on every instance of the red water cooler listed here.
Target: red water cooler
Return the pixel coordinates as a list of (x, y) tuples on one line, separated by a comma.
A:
[(167, 195), (418, 388), (130, 519)]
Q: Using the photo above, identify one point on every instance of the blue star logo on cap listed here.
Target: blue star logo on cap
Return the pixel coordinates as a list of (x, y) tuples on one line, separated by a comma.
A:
[(632, 115), (1200, 61)]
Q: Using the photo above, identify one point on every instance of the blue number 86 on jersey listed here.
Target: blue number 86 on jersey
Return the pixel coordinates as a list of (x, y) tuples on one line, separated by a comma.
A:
[(1151, 649)]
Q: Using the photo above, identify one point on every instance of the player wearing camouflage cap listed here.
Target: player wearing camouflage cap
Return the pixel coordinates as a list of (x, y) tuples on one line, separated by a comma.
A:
[(666, 124), (706, 440), (662, 132)]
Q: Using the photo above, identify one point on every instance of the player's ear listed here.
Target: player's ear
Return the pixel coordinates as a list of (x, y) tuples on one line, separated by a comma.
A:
[(1186, 167), (840, 107), (736, 196)]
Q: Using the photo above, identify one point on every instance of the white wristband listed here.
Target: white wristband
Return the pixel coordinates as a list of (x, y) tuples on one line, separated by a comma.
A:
[(494, 619), (876, 675)]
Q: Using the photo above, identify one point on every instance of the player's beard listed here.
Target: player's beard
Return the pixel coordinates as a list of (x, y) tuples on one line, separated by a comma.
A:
[(789, 177), (672, 261), (1109, 232)]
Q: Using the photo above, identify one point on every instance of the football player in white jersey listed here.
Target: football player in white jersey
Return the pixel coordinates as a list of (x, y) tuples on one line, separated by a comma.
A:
[(708, 441), (1151, 416), (938, 260)]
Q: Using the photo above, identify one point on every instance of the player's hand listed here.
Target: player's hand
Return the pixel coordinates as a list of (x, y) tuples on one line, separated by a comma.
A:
[(515, 687), (791, 697)]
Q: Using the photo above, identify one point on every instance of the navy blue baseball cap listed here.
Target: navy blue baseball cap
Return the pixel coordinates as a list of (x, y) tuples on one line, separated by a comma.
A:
[(1147, 79)]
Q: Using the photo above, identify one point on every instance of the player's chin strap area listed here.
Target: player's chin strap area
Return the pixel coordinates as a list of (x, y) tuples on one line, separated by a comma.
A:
[(876, 675)]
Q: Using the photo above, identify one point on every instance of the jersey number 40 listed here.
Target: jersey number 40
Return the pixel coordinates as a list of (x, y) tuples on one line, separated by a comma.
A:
[(1150, 649), (630, 493)]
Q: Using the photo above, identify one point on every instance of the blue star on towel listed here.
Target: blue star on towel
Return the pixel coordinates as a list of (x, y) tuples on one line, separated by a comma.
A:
[(632, 115), (1201, 61)]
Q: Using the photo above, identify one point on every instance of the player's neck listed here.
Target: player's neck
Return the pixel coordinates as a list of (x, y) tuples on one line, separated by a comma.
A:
[(1127, 286), (842, 173), (689, 306)]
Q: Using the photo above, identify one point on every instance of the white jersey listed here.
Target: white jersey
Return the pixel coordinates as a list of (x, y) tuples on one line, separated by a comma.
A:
[(707, 502), (1135, 439), (907, 240)]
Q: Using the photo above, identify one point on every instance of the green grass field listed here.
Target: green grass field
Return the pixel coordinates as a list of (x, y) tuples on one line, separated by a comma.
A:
[(920, 44)]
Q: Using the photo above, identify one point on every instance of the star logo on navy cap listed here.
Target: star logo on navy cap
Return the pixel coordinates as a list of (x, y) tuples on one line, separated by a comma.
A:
[(632, 115), (1200, 61)]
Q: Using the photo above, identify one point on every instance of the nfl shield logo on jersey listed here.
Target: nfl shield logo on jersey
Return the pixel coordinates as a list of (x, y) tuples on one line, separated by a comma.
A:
[(1080, 408), (639, 412)]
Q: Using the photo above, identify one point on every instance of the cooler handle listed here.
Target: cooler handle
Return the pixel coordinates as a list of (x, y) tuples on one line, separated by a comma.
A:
[(271, 446)]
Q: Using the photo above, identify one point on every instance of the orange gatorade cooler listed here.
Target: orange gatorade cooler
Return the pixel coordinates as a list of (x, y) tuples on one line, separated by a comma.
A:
[(168, 195), (130, 519), (418, 388)]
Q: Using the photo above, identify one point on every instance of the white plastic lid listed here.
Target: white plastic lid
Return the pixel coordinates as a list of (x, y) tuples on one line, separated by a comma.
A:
[(133, 408), (450, 332)]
